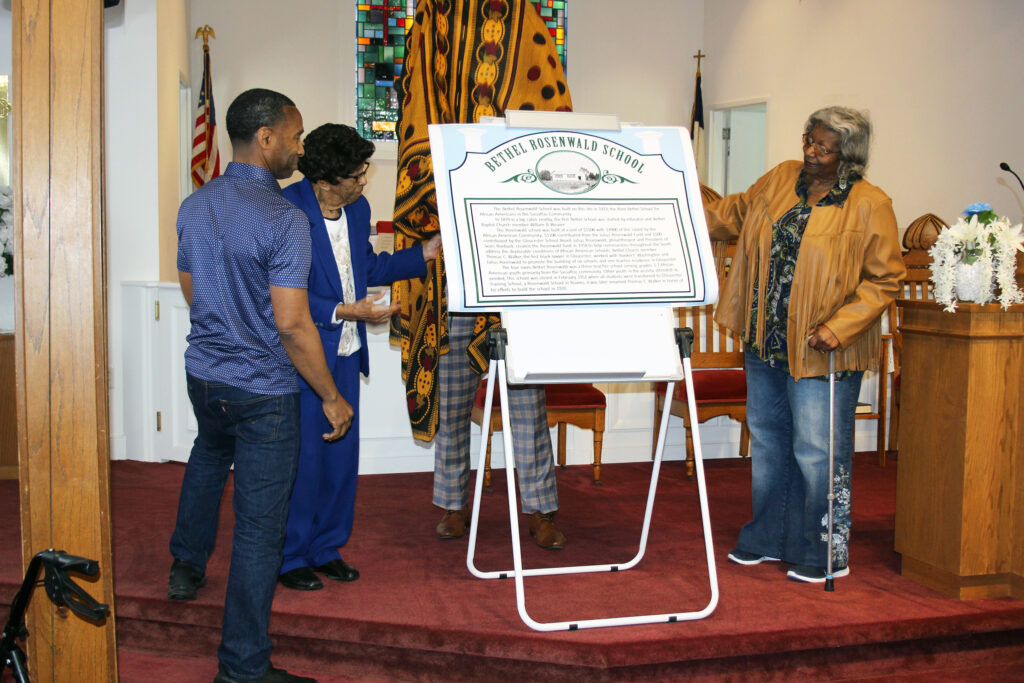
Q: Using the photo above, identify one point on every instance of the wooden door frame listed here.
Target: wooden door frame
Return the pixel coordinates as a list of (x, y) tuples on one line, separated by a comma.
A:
[(60, 320)]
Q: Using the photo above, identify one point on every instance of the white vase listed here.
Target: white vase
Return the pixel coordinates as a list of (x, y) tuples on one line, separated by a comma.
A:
[(971, 284), (6, 303)]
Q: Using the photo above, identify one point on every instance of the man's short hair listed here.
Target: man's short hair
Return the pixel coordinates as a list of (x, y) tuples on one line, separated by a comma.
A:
[(252, 110)]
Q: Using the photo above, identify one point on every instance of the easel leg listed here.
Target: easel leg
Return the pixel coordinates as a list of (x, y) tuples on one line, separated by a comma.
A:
[(561, 444)]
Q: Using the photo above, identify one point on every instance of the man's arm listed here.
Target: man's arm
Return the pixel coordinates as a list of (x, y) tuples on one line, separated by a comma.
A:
[(185, 280), (301, 341)]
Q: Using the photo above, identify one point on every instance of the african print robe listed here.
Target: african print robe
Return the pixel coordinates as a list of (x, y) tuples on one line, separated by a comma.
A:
[(464, 59)]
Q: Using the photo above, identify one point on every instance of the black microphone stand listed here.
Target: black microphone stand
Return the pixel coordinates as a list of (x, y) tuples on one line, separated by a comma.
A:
[(1006, 167), (61, 589)]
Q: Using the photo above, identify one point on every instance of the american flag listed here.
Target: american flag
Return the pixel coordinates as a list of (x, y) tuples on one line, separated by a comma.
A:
[(205, 159)]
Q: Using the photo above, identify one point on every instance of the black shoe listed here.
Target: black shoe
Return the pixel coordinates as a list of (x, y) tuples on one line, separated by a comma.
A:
[(273, 675), (339, 570), (184, 581), (301, 579)]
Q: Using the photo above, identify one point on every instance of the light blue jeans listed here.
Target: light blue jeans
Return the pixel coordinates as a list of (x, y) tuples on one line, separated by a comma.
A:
[(788, 421)]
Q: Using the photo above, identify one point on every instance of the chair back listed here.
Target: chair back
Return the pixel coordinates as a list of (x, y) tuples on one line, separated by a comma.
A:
[(921, 234), (713, 346)]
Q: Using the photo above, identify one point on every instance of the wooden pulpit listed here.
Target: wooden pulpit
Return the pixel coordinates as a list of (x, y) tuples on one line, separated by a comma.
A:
[(960, 472)]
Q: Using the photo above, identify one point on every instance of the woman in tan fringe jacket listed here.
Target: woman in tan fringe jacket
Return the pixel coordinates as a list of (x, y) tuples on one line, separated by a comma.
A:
[(818, 262)]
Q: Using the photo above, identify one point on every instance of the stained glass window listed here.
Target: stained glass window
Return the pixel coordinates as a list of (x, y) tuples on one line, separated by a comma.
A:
[(553, 14), (380, 52)]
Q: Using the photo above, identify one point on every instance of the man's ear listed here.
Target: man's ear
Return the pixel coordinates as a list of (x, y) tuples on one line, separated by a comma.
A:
[(264, 137)]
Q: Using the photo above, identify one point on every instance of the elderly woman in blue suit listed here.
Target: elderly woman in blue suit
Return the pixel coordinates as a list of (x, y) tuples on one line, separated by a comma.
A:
[(344, 264)]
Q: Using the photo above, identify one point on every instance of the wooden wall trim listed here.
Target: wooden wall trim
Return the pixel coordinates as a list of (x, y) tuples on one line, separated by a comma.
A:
[(60, 320)]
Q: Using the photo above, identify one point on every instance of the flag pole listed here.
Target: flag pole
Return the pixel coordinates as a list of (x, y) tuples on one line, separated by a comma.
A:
[(205, 164), (697, 124)]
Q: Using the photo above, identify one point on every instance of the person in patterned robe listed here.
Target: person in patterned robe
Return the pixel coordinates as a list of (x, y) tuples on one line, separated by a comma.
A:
[(466, 59)]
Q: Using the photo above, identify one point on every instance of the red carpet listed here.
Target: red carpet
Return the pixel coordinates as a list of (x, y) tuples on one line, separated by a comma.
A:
[(417, 614)]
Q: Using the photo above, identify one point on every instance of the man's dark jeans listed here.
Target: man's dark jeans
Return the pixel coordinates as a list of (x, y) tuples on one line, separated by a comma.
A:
[(259, 435)]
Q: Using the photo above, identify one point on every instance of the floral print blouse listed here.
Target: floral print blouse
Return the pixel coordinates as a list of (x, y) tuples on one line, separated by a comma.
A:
[(786, 235)]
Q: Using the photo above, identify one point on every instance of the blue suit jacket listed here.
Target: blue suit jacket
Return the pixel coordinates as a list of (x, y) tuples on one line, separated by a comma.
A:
[(368, 269)]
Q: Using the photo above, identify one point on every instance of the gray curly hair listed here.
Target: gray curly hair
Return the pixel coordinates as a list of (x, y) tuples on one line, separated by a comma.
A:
[(854, 131)]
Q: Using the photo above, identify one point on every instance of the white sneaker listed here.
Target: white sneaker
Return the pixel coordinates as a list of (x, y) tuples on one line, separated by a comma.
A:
[(743, 557), (814, 574)]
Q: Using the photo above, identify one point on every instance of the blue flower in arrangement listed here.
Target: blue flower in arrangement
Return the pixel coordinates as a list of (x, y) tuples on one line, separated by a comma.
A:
[(983, 210)]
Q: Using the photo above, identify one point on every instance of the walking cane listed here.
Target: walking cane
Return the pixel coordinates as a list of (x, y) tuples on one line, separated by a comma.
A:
[(829, 582)]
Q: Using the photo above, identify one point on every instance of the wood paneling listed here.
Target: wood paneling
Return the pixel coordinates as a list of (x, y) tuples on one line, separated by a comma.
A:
[(959, 495), (60, 318)]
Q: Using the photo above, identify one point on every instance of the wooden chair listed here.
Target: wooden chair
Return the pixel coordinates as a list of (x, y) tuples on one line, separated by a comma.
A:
[(917, 240), (878, 412), (582, 405), (719, 381)]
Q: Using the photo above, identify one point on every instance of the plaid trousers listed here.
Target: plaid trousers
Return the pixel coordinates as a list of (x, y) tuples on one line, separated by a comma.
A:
[(530, 436)]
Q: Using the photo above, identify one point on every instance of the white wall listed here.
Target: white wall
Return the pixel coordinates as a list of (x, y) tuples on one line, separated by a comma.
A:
[(939, 78), (131, 186), (302, 48), (642, 68)]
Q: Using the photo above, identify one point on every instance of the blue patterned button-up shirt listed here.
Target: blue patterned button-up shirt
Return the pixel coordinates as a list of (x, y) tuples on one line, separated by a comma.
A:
[(237, 235)]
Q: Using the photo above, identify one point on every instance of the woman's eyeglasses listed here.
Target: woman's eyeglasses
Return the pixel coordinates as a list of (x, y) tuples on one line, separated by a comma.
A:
[(360, 175), (819, 149)]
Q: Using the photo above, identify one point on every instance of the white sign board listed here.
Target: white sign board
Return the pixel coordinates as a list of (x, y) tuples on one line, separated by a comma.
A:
[(534, 217)]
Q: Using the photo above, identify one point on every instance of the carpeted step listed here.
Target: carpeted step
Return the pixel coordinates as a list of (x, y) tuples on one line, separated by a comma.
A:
[(417, 613)]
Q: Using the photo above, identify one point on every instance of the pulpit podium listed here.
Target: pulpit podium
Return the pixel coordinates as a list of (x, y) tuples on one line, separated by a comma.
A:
[(960, 471)]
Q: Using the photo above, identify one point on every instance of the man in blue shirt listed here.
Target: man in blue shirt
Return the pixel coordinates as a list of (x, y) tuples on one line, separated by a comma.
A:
[(243, 264)]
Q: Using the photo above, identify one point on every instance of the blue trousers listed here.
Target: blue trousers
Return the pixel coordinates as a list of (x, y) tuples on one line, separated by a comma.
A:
[(788, 421), (258, 434), (322, 505)]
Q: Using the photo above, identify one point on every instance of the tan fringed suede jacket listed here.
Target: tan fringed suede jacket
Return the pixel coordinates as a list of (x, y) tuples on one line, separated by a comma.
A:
[(848, 269)]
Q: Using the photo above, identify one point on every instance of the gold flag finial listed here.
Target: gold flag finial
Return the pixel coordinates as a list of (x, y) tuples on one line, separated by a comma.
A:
[(206, 32)]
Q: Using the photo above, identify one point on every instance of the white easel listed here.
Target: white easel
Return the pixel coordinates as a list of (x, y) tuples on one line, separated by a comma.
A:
[(645, 347), (498, 347)]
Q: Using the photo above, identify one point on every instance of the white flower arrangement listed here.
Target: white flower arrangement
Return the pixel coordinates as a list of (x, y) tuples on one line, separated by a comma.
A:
[(984, 243), (6, 232)]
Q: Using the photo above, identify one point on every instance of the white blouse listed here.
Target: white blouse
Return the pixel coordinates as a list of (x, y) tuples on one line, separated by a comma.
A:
[(337, 231)]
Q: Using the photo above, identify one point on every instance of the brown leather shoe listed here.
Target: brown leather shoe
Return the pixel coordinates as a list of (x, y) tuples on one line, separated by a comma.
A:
[(453, 524), (544, 531)]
